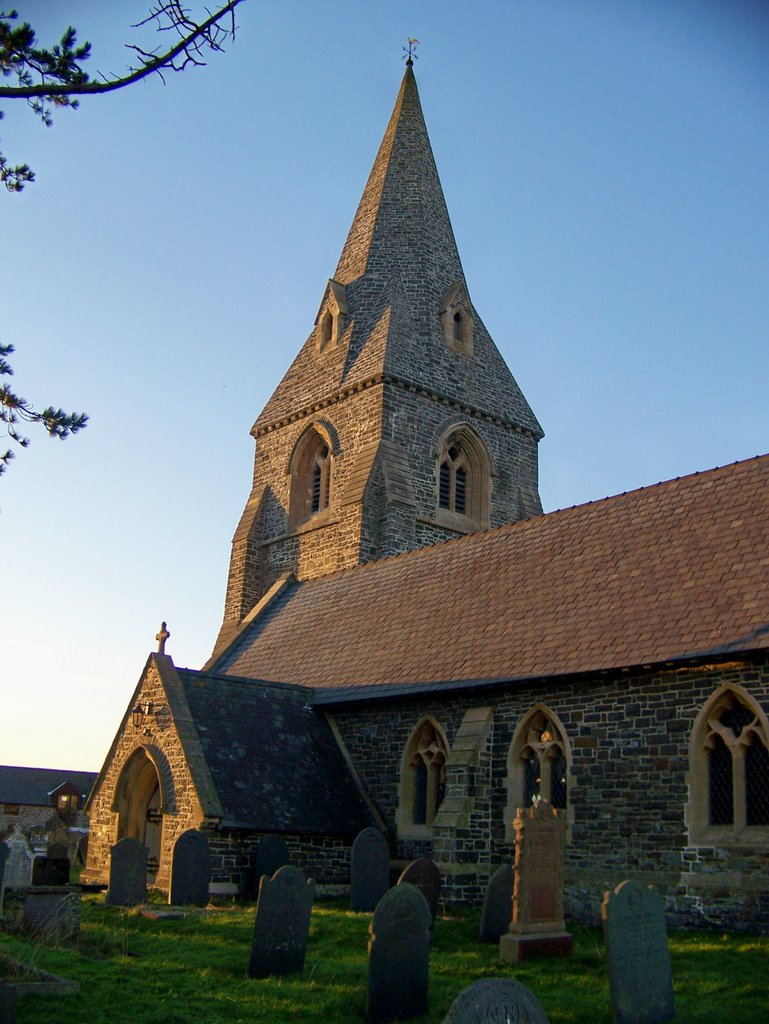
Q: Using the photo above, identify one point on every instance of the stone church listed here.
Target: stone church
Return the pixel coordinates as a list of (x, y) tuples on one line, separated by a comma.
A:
[(409, 642)]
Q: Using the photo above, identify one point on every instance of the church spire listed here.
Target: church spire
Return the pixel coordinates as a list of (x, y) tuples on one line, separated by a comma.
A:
[(402, 221)]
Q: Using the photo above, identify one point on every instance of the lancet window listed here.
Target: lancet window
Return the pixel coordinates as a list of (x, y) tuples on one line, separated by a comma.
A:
[(423, 778)]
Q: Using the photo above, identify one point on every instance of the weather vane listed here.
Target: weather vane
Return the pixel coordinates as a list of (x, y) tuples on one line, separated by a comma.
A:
[(409, 51)]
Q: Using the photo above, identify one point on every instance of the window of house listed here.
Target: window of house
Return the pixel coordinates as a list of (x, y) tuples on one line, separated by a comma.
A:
[(67, 803), (538, 765), (310, 477), (423, 779), (464, 474), (729, 770)]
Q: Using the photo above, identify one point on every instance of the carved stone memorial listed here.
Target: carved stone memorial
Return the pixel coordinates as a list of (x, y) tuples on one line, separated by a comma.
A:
[(279, 942), (496, 1001), (424, 874), (52, 911), (398, 955), (637, 956), (50, 871), (190, 869), (271, 854), (127, 874), (369, 869), (537, 927), (18, 866), (497, 905)]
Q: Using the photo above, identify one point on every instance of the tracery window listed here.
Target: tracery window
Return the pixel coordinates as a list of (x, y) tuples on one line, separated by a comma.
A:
[(730, 770), (310, 476), (423, 779), (463, 471), (538, 766)]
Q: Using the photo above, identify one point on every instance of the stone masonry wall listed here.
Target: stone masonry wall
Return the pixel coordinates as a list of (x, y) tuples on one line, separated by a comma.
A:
[(629, 747), (159, 738)]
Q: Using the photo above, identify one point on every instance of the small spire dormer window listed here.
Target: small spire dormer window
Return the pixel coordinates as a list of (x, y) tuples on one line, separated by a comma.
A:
[(457, 320), (331, 320)]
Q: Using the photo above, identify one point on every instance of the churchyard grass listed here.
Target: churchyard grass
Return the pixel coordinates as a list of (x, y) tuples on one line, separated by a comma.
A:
[(133, 970)]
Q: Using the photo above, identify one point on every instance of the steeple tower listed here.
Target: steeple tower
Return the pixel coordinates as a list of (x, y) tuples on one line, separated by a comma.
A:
[(398, 424)]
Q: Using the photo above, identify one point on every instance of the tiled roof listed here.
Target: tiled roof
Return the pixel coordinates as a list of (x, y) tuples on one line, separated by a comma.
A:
[(274, 762), (675, 571), (34, 785)]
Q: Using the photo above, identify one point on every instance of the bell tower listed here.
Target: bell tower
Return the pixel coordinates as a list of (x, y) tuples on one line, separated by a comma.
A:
[(398, 424)]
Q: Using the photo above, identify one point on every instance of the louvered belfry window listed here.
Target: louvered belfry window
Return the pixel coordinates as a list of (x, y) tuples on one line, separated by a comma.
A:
[(310, 477), (453, 480)]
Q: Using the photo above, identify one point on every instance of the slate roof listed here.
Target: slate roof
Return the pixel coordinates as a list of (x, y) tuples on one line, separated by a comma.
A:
[(274, 762), (398, 263), (34, 786), (679, 570)]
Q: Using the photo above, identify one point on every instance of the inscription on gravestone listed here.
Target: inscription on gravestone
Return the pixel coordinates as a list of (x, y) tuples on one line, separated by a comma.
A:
[(398, 955), (424, 874), (127, 874), (637, 956), (497, 905), (279, 942), (190, 869), (271, 854), (496, 1001), (369, 869)]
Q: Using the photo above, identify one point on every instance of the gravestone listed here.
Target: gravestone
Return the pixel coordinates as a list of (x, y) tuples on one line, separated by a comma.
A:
[(18, 866), (497, 910), (282, 923), (369, 869), (637, 956), (190, 869), (398, 955), (424, 874), (50, 871), (52, 912), (127, 874), (271, 854), (496, 1001), (3, 858), (57, 850), (537, 927)]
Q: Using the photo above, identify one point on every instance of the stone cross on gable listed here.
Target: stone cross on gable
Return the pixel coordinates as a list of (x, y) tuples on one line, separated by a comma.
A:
[(161, 638)]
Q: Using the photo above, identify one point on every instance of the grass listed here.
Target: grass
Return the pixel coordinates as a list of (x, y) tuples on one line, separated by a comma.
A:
[(136, 971)]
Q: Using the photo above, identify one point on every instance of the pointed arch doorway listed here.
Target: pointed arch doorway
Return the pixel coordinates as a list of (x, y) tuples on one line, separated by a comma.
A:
[(139, 804)]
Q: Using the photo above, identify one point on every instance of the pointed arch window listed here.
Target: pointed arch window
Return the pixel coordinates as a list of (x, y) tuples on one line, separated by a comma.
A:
[(729, 771), (423, 779), (310, 477), (457, 319), (538, 765), (464, 481)]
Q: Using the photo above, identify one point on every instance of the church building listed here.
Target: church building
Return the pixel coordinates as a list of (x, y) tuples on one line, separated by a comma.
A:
[(408, 642)]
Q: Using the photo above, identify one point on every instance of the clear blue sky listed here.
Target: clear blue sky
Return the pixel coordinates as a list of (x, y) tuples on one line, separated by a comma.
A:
[(606, 167)]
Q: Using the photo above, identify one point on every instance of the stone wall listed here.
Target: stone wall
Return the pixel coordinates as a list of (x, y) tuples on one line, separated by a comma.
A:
[(629, 789)]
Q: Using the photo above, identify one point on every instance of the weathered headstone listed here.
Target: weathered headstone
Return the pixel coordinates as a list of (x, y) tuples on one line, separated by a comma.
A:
[(3, 858), (496, 1001), (50, 871), (537, 927), (52, 911), (57, 849), (271, 854), (18, 866), (190, 869), (497, 910), (282, 923), (398, 955), (424, 874), (637, 955), (127, 874), (369, 869)]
